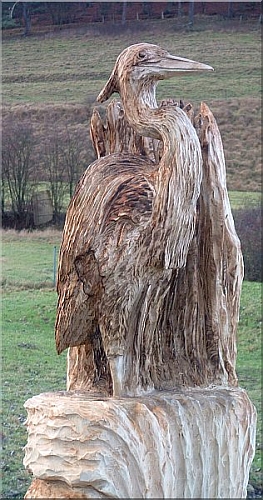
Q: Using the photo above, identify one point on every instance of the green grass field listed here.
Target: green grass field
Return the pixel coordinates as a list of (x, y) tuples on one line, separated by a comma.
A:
[(249, 362), (31, 365), (68, 69), (23, 274), (244, 199)]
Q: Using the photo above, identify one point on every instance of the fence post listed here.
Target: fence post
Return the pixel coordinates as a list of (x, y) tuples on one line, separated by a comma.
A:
[(54, 265)]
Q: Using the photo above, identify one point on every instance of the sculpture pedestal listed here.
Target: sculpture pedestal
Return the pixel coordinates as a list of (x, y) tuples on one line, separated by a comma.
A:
[(188, 443)]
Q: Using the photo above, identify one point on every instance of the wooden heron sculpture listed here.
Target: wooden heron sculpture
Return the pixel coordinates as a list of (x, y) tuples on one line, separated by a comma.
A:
[(127, 234)]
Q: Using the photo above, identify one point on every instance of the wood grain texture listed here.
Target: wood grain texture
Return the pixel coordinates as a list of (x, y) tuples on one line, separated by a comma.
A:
[(150, 266), (186, 444), (184, 322)]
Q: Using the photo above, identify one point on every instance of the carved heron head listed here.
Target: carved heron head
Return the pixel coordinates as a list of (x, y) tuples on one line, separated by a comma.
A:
[(146, 64)]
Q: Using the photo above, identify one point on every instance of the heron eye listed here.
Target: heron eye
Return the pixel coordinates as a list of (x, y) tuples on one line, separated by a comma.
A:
[(141, 55)]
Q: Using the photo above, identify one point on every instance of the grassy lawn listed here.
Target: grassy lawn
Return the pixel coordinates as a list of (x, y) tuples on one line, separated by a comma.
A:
[(68, 69), (30, 366), (30, 362), (244, 199), (249, 362), (38, 270)]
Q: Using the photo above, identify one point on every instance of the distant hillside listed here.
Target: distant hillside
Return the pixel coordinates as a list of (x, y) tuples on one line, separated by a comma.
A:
[(52, 79), (34, 16)]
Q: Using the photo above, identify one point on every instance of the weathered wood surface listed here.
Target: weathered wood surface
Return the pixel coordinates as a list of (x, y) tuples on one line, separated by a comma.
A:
[(150, 266), (185, 444), (117, 136), (199, 302)]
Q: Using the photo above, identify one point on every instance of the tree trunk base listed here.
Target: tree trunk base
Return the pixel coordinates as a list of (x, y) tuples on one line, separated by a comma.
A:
[(188, 443)]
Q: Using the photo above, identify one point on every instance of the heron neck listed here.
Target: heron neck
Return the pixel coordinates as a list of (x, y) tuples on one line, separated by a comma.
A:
[(178, 177), (167, 123), (139, 104)]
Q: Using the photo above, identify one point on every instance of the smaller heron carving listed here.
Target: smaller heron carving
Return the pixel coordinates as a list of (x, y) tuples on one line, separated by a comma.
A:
[(127, 233)]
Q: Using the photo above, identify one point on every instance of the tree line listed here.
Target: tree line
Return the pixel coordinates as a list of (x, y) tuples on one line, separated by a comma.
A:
[(30, 165), (26, 14)]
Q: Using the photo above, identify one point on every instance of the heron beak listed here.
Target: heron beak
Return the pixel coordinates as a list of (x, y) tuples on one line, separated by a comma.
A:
[(173, 65)]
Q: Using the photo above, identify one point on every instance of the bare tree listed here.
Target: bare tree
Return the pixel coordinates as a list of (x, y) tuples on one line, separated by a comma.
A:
[(230, 12), (18, 166), (55, 171), (26, 18), (191, 12), (179, 9), (2, 194), (61, 12), (124, 9), (146, 7), (61, 157), (24, 14), (73, 161)]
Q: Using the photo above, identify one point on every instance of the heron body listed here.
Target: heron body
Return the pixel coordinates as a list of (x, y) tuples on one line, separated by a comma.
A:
[(128, 230)]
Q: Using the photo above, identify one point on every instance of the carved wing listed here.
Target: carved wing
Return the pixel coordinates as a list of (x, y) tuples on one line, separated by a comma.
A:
[(113, 202)]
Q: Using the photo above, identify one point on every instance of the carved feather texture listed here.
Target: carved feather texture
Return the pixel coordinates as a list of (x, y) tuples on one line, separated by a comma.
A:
[(149, 257)]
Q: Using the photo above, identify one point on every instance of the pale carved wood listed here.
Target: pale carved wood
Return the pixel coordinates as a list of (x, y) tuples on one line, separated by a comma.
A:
[(149, 284), (150, 265), (191, 443), (201, 304)]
